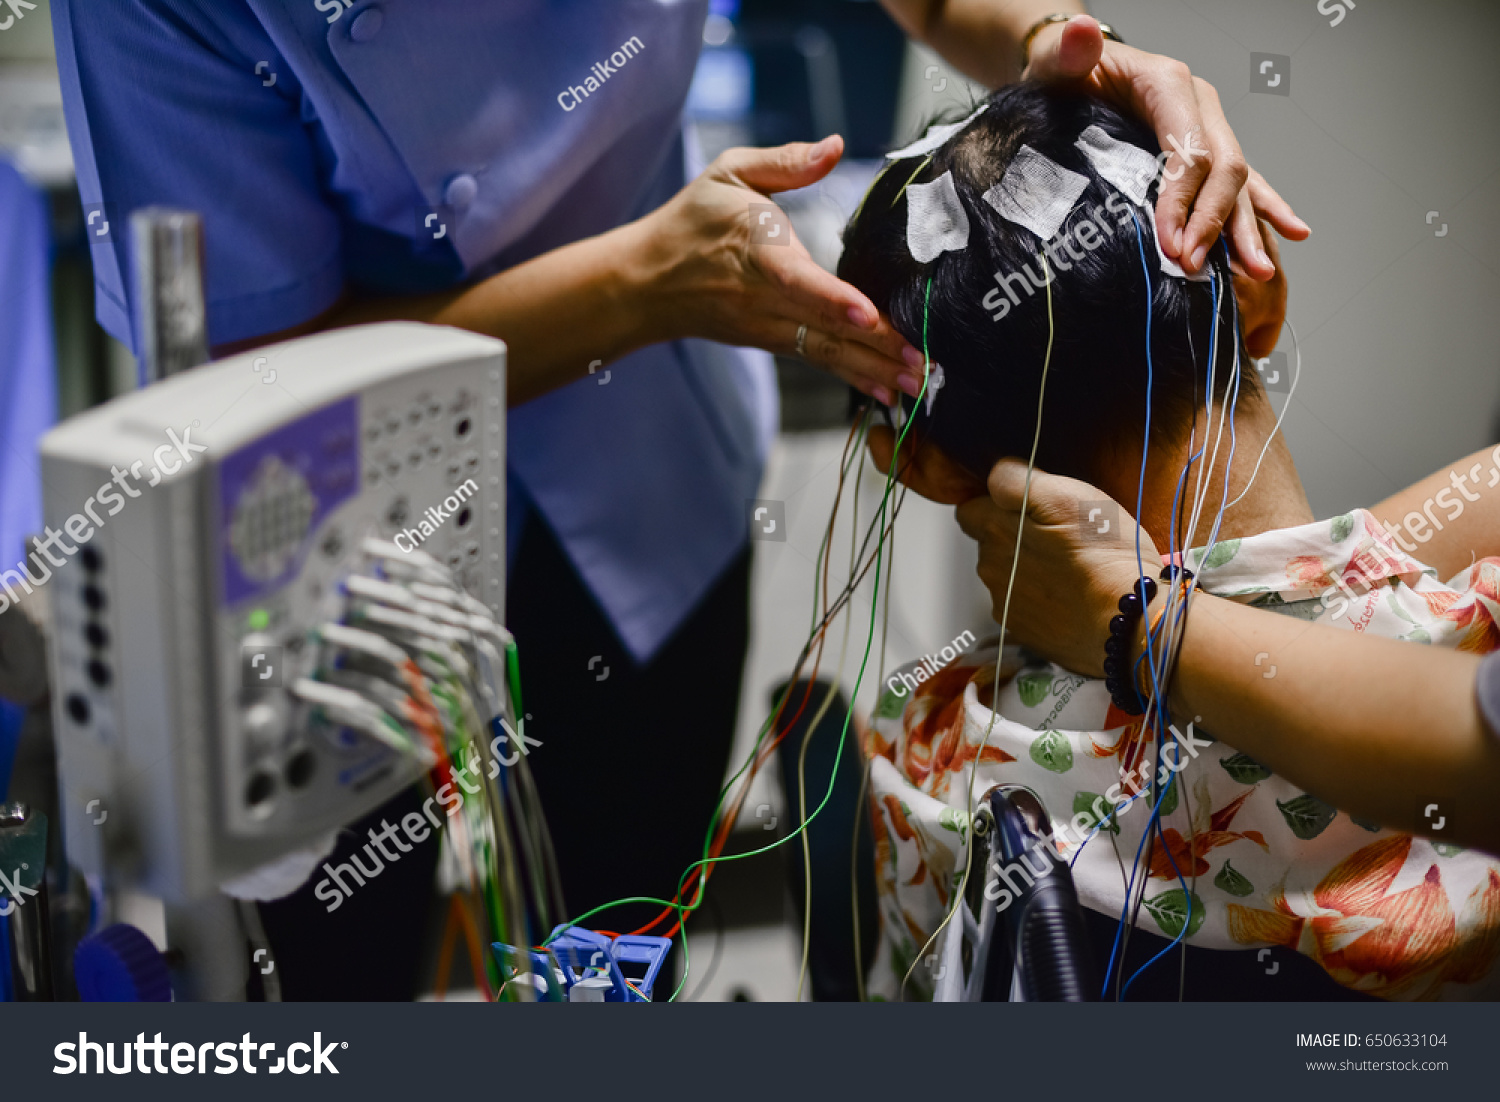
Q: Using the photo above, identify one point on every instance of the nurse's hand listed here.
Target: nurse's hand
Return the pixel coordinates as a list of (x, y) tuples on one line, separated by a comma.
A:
[(1214, 189), (1068, 581), (696, 271), (1262, 303)]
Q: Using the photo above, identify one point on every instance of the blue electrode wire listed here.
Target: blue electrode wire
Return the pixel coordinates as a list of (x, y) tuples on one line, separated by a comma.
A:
[(1161, 737), (1163, 717), (1176, 497), (1155, 820)]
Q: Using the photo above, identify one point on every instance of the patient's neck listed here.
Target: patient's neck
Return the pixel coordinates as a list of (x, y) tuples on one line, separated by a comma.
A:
[(1276, 499)]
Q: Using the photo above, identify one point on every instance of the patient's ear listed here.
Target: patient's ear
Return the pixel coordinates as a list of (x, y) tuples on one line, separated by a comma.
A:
[(926, 469)]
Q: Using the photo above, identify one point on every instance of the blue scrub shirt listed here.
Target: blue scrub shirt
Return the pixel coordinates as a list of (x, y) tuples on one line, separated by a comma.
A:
[(407, 146)]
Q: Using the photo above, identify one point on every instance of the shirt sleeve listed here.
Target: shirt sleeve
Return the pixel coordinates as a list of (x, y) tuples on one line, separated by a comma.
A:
[(1488, 692), (168, 102)]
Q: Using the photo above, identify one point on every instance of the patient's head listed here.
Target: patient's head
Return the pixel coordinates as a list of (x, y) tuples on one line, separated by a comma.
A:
[(991, 338)]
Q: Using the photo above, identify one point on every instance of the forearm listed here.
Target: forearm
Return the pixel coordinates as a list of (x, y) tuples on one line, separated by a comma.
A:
[(980, 38), (1379, 728), (557, 313), (1451, 517)]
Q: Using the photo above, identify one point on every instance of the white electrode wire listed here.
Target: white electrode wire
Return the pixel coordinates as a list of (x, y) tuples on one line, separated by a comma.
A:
[(1204, 472), (1010, 585), (1291, 393)]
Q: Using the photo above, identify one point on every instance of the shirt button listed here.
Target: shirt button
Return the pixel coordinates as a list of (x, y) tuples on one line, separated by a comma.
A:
[(461, 191), (366, 25)]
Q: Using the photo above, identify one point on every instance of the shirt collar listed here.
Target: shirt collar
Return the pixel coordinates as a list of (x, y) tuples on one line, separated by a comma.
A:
[(1352, 550)]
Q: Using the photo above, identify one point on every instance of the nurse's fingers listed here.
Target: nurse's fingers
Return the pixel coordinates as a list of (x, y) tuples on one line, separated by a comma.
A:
[(861, 366), (1243, 231), (1215, 176), (814, 296), (780, 168), (1270, 206)]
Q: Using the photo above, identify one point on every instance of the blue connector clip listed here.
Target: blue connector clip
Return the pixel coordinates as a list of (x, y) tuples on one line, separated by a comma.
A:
[(574, 954)]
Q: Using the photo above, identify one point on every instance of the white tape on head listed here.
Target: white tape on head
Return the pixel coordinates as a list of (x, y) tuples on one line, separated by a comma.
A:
[(1036, 192), (1128, 167), (935, 219), (936, 137)]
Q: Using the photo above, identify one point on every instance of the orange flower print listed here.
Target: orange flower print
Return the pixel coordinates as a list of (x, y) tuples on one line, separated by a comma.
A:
[(1308, 572), (1188, 858), (1392, 945), (935, 744), (1476, 609)]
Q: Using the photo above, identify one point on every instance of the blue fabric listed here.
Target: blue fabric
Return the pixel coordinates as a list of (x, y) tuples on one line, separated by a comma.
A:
[(28, 376), (11, 718), (323, 181), (1488, 692)]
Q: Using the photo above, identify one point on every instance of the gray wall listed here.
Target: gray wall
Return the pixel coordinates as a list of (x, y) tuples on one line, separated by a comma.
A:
[(1393, 113)]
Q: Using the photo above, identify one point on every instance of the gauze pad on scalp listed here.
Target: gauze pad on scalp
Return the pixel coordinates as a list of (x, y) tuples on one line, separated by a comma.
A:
[(1128, 167), (1036, 192), (935, 137), (935, 219)]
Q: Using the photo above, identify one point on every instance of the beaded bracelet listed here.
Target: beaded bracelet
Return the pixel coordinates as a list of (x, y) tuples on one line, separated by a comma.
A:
[(1117, 647), (1117, 678)]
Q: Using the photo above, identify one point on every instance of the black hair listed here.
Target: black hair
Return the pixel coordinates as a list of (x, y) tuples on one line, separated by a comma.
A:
[(1096, 384)]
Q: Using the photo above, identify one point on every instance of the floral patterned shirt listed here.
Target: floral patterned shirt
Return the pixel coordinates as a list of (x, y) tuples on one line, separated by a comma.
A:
[(1266, 864)]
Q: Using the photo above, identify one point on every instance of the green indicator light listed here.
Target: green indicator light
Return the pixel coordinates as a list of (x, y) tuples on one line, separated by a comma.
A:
[(259, 620)]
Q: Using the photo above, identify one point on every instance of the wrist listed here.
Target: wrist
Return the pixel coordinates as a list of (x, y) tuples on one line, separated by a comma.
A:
[(635, 271)]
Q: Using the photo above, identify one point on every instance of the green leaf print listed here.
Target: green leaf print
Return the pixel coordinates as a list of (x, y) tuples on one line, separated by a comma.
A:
[(1220, 553), (1395, 603), (891, 705), (1231, 881), (1245, 769), (1365, 824), (954, 819), (1090, 804), (1340, 527), (1033, 687), (1447, 849), (1169, 801), (1051, 750), (1308, 816), (1170, 909)]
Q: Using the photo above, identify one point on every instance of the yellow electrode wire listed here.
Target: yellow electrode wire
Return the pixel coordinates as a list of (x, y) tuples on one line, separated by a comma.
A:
[(823, 710), (1010, 585)]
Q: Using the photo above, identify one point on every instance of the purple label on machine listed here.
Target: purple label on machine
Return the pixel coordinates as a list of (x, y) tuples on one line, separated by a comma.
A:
[(277, 491)]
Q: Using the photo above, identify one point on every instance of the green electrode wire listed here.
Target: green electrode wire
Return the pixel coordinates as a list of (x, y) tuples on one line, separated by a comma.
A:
[(685, 909), (513, 675)]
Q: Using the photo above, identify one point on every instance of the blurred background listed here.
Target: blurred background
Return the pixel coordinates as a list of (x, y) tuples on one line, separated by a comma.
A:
[(1375, 121)]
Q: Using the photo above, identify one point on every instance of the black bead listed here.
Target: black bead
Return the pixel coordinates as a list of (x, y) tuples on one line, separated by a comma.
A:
[(1146, 587), (1130, 605), (1119, 627), (1111, 666), (1114, 646)]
